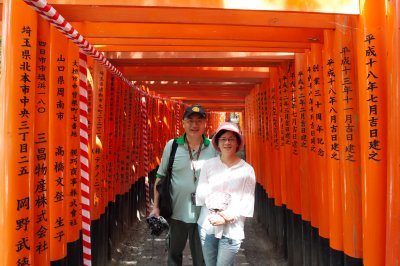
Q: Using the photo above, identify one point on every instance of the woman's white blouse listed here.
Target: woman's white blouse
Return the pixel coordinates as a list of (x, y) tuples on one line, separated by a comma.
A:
[(239, 181)]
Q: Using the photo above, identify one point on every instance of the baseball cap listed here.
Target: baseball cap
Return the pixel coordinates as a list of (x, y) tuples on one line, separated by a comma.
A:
[(194, 109)]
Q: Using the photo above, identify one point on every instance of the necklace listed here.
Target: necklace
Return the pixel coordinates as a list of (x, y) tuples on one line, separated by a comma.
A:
[(192, 159)]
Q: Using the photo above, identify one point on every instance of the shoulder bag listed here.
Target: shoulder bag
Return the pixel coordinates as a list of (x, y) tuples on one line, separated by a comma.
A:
[(164, 186)]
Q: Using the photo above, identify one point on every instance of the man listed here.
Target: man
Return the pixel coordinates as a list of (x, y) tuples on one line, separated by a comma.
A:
[(193, 149)]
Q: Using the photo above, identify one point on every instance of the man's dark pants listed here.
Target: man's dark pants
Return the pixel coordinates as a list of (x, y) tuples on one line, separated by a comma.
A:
[(178, 234)]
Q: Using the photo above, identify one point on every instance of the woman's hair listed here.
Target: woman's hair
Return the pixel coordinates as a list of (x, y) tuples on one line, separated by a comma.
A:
[(222, 132)]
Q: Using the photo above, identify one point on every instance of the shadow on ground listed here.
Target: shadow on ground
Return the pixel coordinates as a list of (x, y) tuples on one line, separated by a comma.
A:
[(142, 249)]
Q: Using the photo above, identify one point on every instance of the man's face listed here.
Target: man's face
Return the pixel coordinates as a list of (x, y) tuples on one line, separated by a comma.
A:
[(194, 125)]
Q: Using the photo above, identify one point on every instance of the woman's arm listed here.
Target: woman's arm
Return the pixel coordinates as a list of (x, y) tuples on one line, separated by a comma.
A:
[(246, 204)]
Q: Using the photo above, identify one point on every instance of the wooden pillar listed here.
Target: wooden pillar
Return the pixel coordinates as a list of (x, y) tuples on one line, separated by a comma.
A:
[(320, 180), (371, 56), (332, 143), (110, 121), (312, 140), (393, 94), (72, 181), (42, 236), (276, 174), (97, 132), (57, 144), (266, 137), (283, 160), (295, 135), (349, 136), (305, 171), (17, 98), (99, 113)]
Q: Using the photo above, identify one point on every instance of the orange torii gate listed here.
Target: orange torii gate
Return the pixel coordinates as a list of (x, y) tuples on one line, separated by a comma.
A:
[(322, 135), (342, 122), (76, 135)]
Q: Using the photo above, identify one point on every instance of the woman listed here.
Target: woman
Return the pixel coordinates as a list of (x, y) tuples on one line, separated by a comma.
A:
[(226, 194)]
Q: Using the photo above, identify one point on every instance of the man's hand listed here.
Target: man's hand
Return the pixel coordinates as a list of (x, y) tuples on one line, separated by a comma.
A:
[(155, 212)]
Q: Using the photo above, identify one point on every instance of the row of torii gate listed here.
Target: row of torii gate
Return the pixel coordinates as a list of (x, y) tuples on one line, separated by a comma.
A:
[(78, 140)]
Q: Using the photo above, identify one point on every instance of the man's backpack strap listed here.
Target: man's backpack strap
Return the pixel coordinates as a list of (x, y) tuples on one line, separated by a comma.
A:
[(172, 155)]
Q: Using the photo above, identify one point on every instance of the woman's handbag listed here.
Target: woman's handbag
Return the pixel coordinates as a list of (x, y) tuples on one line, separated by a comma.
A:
[(164, 186)]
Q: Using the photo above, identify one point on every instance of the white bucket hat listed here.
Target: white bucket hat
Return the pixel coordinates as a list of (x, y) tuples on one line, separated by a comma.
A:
[(229, 127)]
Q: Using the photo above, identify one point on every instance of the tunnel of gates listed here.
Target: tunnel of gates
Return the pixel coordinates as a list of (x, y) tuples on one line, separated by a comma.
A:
[(78, 142)]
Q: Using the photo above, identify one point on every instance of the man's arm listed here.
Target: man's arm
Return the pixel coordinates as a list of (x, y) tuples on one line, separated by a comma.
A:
[(156, 209)]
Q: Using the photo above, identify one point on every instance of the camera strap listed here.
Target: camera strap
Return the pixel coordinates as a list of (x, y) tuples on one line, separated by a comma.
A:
[(192, 159)]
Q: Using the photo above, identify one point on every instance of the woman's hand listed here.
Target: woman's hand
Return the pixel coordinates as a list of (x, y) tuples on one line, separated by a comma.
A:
[(228, 217), (216, 219)]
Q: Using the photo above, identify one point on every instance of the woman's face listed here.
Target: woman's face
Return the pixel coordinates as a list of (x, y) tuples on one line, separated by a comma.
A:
[(228, 143)]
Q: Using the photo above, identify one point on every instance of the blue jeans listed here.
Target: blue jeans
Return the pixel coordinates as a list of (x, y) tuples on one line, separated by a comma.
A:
[(218, 251)]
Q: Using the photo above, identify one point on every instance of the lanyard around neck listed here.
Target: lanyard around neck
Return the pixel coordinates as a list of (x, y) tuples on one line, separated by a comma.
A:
[(191, 158)]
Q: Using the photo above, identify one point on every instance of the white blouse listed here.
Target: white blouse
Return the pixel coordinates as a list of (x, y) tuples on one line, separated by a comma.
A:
[(238, 181)]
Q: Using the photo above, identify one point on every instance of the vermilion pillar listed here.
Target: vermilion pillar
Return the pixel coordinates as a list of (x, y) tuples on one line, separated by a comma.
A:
[(314, 186), (116, 179), (276, 174), (57, 144), (393, 92), (305, 171), (321, 182), (257, 131), (99, 112), (371, 56), (263, 144), (137, 122), (284, 133), (97, 134), (271, 114), (110, 133), (349, 135), (332, 143), (17, 98), (127, 138), (268, 135), (41, 226), (130, 138), (289, 129), (72, 181), (298, 161), (296, 122)]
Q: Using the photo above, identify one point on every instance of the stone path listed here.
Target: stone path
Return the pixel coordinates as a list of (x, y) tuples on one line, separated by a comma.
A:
[(140, 248)]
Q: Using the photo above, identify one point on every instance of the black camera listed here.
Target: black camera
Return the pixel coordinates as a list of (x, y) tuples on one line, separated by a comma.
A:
[(157, 224)]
